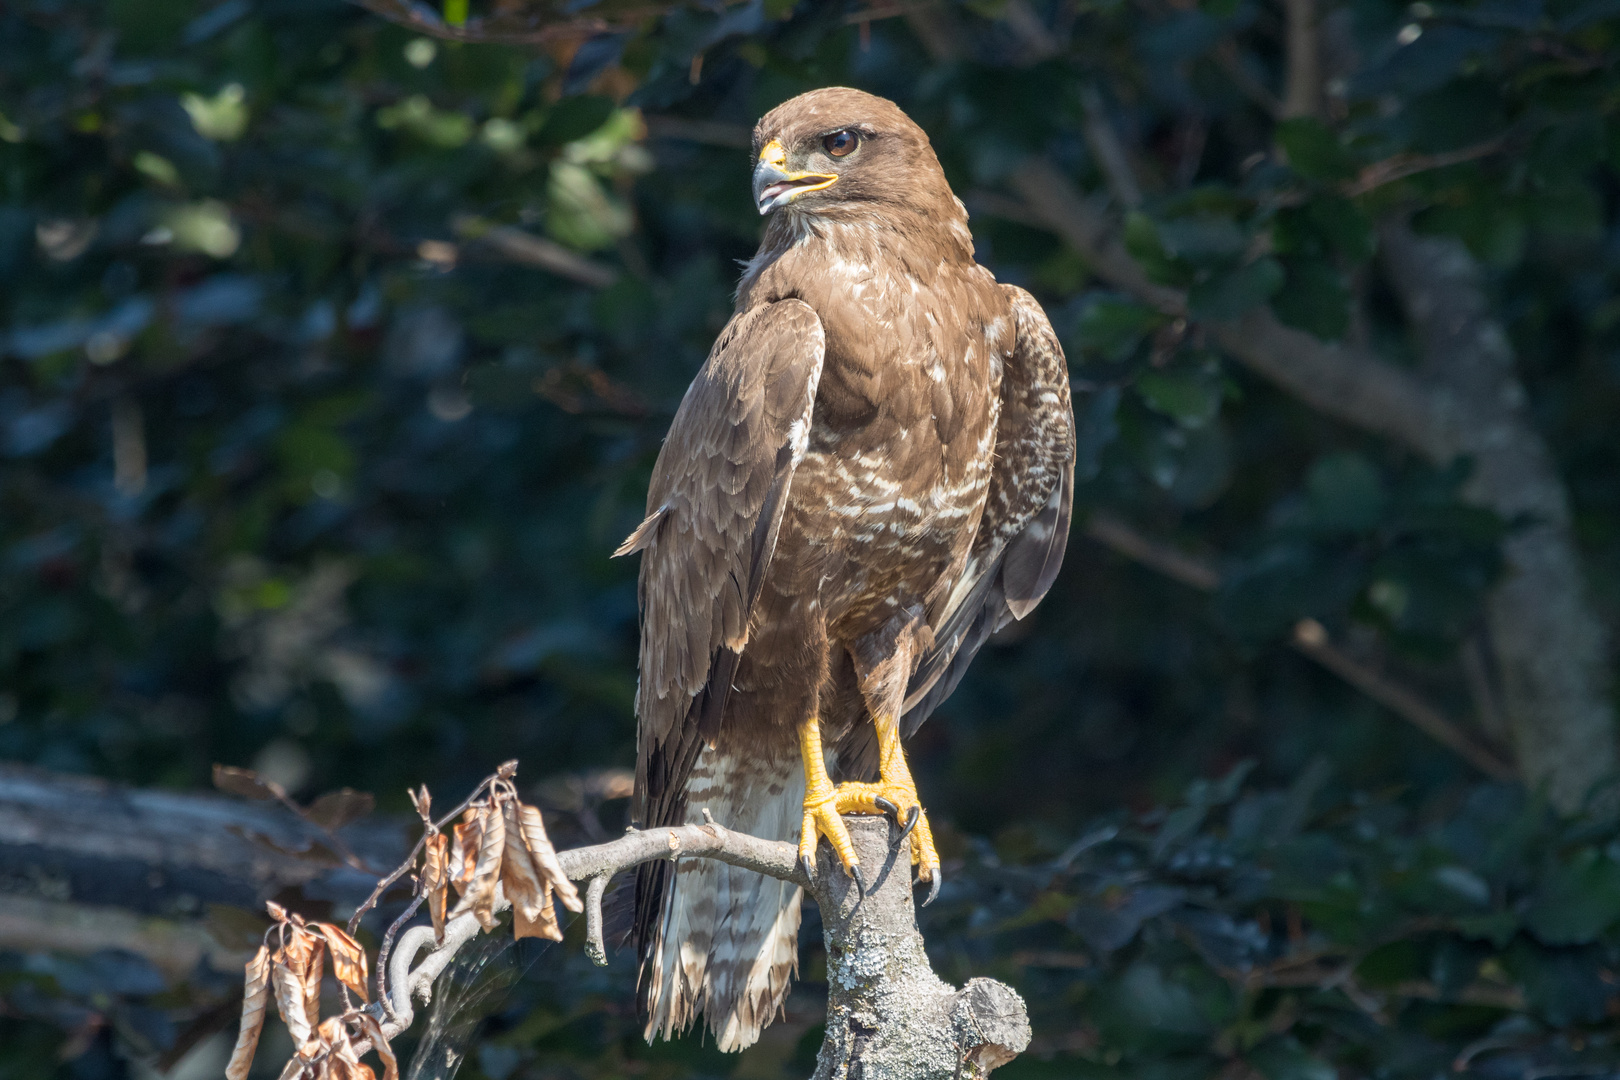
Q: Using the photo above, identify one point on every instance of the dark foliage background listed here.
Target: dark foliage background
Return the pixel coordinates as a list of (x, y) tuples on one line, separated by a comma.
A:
[(304, 466)]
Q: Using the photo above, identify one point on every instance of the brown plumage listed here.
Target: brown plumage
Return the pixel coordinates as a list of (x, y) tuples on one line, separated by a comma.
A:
[(871, 473)]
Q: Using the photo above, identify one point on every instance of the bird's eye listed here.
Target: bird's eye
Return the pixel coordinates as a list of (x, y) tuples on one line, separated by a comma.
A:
[(841, 143)]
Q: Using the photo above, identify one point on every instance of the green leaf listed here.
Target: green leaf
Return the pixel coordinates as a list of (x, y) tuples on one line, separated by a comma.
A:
[(1226, 296), (1314, 151), (1345, 492), (1577, 901), (1203, 239), (1314, 299), (574, 118), (1324, 225), (1191, 399), (1115, 328), (1142, 241)]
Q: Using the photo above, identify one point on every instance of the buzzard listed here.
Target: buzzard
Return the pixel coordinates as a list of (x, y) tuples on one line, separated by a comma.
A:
[(872, 472)]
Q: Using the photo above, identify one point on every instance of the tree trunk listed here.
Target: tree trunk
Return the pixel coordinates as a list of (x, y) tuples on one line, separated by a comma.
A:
[(889, 1017), (1548, 643), (86, 864)]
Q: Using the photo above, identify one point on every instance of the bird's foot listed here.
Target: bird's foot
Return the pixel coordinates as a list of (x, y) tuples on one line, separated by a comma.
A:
[(821, 819), (898, 800)]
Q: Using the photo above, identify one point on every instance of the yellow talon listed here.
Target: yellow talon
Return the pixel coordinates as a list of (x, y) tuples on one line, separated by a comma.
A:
[(900, 793), (821, 806), (895, 793)]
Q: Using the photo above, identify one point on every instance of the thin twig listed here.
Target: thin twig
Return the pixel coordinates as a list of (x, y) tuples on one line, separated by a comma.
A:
[(1310, 639), (1110, 153), (706, 132), (410, 860), (388, 944), (1231, 61), (1172, 563), (1401, 166), (525, 248)]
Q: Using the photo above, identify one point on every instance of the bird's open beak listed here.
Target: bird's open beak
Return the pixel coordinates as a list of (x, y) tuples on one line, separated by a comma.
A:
[(774, 186)]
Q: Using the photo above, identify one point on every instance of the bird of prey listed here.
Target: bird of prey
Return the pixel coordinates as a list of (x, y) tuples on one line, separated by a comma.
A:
[(872, 472)]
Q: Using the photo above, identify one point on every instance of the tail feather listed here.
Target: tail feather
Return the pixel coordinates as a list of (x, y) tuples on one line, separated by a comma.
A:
[(726, 943)]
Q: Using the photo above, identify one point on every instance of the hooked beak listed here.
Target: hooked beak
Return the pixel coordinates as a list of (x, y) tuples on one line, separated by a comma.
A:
[(774, 186)]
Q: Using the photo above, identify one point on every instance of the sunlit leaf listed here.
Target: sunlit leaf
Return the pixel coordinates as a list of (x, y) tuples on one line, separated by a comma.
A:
[(348, 958), (245, 783), (436, 880), (478, 896), (338, 808), (255, 996), (545, 858)]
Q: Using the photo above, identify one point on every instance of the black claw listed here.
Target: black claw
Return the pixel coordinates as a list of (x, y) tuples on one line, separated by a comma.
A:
[(807, 866), (860, 882), (911, 822), (933, 887), (887, 807)]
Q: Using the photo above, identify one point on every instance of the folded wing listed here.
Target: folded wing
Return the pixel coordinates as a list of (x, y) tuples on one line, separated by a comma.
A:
[(714, 508), (1019, 546)]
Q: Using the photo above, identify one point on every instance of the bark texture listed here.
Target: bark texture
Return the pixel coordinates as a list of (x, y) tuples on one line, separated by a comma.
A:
[(1548, 643), (889, 1017)]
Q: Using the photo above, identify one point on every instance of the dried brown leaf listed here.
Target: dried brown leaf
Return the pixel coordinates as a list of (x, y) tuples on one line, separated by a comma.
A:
[(298, 1069), (310, 851), (519, 878), (246, 783), (314, 969), (338, 808), (372, 1029), (289, 988), (302, 955), (543, 924), (436, 880), (479, 894), (255, 995), (348, 958), (468, 838), (333, 1036), (545, 858)]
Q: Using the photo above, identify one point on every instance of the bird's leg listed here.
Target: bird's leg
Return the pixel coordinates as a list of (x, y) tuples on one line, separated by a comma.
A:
[(821, 807), (895, 793)]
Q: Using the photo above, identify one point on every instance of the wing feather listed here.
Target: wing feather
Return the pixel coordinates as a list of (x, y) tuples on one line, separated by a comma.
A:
[(1018, 549), (714, 509)]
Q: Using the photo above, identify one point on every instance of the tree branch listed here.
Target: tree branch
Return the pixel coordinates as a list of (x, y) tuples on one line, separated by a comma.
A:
[(1549, 643), (1467, 402), (888, 1015), (85, 865), (1310, 639), (1303, 95), (1109, 151), (1339, 380)]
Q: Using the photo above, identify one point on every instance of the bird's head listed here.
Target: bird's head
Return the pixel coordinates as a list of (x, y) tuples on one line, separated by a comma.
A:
[(839, 152)]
